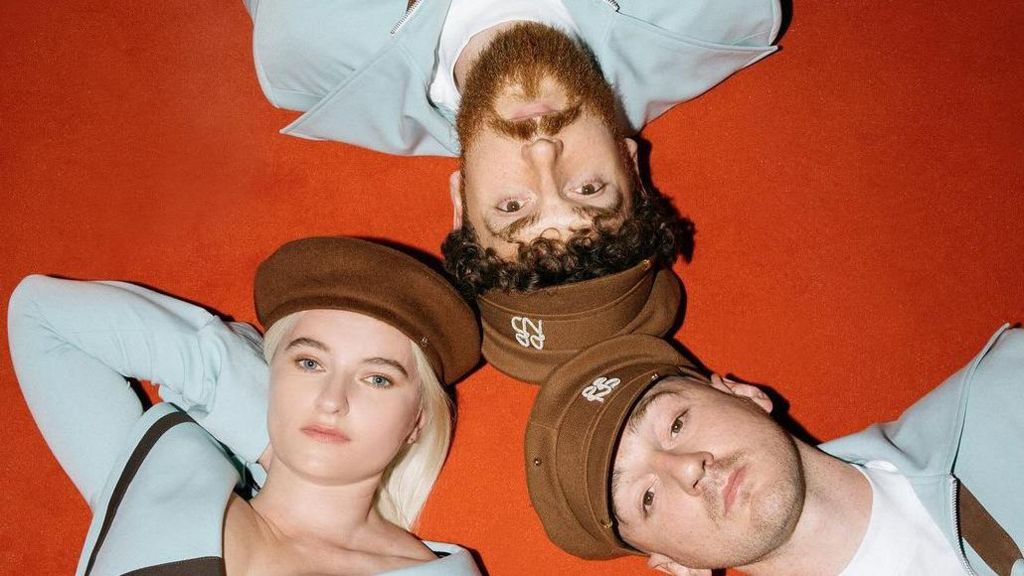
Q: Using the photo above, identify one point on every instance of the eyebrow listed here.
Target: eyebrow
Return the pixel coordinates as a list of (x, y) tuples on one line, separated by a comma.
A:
[(616, 478), (508, 233), (643, 405), (388, 362), (304, 341)]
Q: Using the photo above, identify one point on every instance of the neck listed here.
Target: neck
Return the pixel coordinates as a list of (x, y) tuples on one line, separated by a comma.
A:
[(477, 43), (835, 516), (295, 507)]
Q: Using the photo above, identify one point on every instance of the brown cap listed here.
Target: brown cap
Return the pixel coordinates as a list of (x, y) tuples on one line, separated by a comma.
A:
[(573, 433), (528, 334), (338, 273)]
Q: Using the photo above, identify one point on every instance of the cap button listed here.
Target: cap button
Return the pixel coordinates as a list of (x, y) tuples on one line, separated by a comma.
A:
[(654, 376), (537, 461), (606, 523)]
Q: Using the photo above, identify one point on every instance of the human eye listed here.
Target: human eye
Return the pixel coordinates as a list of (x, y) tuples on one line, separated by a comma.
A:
[(677, 424), (510, 206), (307, 364), (378, 381), (590, 188), (647, 501)]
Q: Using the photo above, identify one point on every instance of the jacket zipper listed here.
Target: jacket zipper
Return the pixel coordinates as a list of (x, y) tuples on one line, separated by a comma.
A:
[(408, 14), (956, 528), (405, 17)]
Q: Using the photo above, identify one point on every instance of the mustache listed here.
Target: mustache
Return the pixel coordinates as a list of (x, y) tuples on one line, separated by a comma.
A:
[(717, 476), (526, 129)]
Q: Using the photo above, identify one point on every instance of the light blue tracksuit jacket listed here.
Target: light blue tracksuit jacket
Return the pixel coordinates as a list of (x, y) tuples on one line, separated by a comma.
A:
[(361, 71), (157, 481), (969, 429)]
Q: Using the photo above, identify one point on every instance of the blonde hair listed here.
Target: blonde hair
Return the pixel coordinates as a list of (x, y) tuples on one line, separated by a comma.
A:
[(409, 478)]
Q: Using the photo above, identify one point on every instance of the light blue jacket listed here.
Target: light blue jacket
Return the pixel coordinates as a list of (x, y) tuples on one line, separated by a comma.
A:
[(361, 71), (157, 482), (969, 429)]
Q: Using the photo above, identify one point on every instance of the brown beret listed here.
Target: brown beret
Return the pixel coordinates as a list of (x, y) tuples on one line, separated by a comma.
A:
[(573, 433), (339, 273), (528, 334)]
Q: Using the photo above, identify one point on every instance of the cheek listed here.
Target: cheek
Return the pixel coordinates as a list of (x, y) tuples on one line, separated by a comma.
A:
[(392, 417), (287, 403)]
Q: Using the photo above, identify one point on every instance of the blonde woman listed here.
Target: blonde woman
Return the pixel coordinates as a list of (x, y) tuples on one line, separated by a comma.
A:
[(341, 449)]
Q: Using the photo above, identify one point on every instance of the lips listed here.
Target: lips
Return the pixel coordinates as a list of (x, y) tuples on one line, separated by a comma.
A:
[(325, 434), (732, 487)]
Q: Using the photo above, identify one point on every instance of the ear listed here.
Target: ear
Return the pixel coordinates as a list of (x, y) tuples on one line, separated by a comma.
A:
[(632, 147), (752, 393), (417, 428), (663, 563), (455, 189)]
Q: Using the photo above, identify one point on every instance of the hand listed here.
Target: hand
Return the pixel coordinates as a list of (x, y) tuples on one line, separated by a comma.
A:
[(663, 563)]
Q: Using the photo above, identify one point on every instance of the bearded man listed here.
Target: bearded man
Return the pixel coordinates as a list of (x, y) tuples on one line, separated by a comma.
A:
[(547, 192)]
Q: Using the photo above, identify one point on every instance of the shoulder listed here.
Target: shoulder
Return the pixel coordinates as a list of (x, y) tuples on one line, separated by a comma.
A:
[(926, 437), (165, 498)]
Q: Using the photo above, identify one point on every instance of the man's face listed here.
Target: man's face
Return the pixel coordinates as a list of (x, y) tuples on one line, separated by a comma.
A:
[(703, 477), (541, 152)]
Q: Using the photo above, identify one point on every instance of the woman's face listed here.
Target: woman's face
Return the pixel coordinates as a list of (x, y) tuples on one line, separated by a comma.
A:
[(344, 397)]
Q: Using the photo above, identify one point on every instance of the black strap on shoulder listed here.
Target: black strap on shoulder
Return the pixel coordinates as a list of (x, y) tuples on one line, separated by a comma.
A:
[(138, 455), (984, 534)]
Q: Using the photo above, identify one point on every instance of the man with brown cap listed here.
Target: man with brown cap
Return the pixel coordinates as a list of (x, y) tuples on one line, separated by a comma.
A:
[(538, 98), (630, 449)]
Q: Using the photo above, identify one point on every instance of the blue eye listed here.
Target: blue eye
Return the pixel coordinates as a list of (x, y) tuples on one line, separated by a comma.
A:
[(378, 381), (308, 364)]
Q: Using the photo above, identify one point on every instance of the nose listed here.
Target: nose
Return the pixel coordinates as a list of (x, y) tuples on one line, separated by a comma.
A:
[(542, 155), (333, 397), (543, 152), (686, 469)]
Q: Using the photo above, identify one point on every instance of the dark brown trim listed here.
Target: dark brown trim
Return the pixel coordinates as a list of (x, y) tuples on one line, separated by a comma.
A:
[(205, 566), (139, 454), (984, 534)]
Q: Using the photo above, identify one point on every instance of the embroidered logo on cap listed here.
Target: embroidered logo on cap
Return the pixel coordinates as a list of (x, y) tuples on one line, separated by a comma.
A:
[(528, 333), (601, 387)]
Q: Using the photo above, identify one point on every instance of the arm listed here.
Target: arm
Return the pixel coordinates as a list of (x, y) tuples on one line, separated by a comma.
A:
[(73, 343)]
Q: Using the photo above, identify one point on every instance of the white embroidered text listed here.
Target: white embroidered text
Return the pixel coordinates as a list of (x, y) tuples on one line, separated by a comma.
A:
[(600, 388), (528, 332)]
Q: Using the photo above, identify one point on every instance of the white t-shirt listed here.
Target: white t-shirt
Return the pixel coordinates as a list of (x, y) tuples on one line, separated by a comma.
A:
[(467, 17), (902, 538)]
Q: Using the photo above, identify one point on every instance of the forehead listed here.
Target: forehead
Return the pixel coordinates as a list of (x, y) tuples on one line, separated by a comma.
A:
[(344, 332)]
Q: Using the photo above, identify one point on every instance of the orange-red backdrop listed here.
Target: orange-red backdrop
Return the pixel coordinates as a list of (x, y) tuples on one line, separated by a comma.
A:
[(858, 198)]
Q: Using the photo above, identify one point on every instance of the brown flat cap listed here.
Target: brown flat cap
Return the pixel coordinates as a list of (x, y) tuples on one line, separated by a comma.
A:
[(338, 273), (574, 431), (528, 334)]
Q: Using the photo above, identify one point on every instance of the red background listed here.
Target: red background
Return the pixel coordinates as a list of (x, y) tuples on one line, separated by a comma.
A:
[(858, 198)]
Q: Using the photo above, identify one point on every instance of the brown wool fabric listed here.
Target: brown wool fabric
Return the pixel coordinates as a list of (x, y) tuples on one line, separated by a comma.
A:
[(573, 432), (339, 273), (528, 334)]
